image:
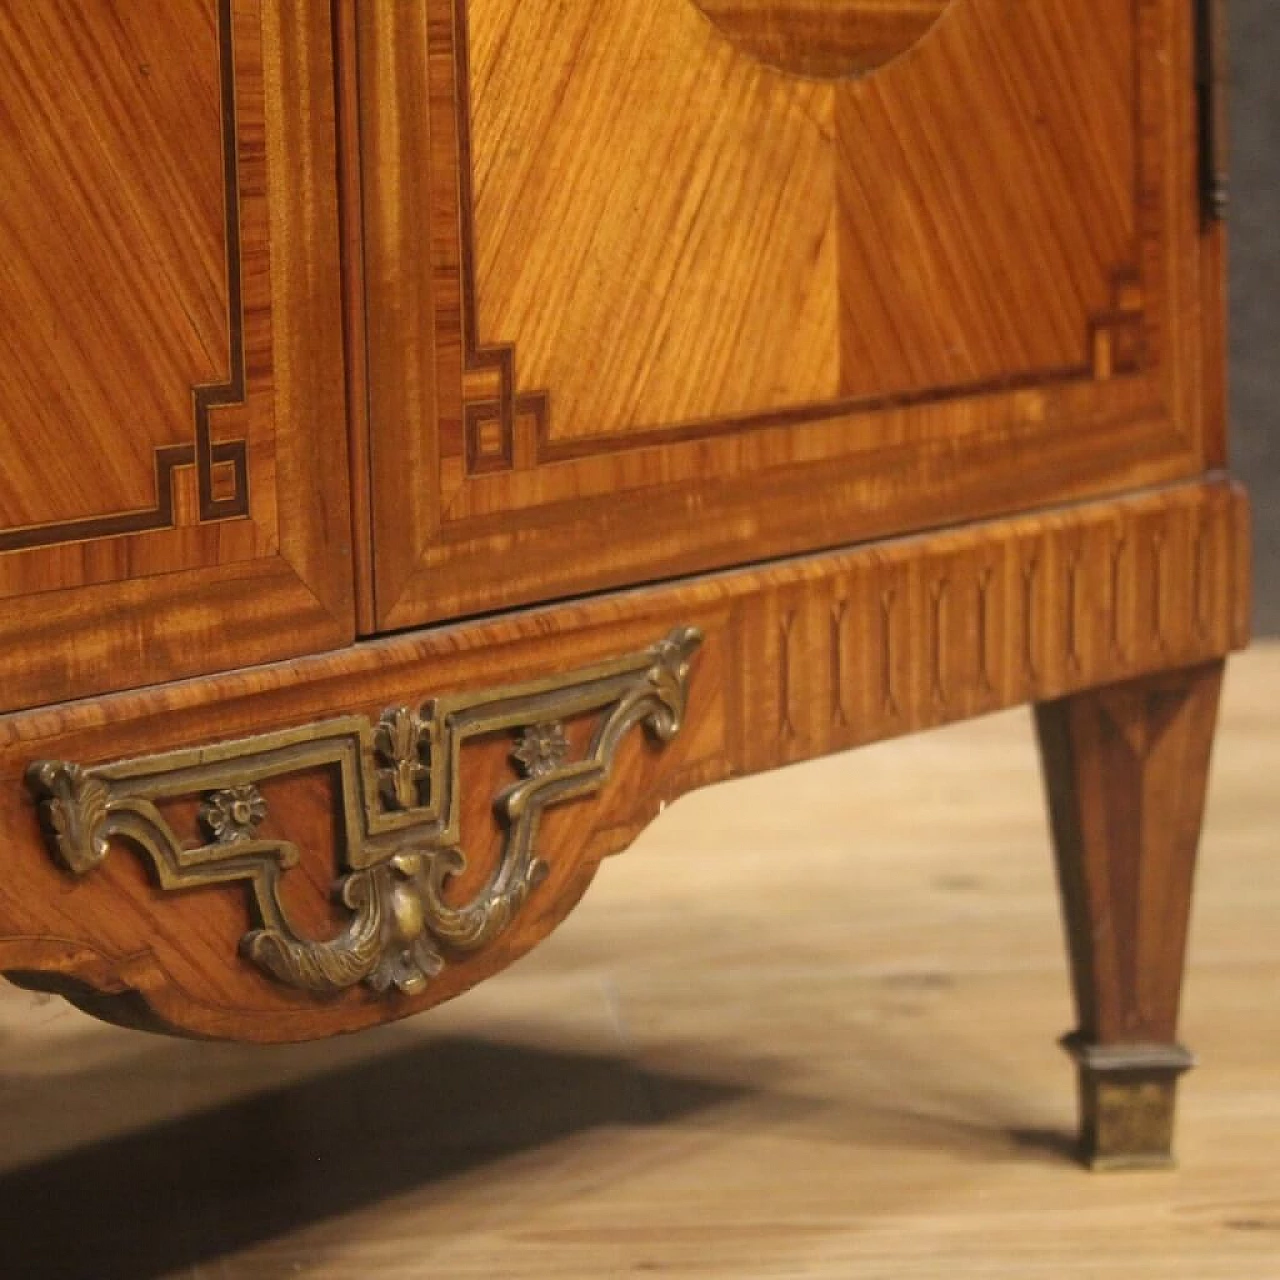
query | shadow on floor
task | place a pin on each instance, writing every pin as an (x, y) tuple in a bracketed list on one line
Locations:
[(187, 1191), (171, 1196)]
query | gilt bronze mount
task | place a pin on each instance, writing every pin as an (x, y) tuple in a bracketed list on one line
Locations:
[(399, 797), (1127, 1096)]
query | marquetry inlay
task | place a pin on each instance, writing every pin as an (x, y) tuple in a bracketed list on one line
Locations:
[(220, 466), (509, 418), (893, 642)]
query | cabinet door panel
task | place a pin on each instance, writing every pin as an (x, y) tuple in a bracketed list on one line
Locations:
[(703, 281), (173, 473)]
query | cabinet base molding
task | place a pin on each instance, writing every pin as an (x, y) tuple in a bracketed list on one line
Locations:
[(175, 849)]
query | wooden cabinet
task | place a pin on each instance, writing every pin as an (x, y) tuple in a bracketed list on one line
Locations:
[(589, 402)]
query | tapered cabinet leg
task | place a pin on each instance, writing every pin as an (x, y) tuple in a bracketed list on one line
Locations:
[(1126, 770)]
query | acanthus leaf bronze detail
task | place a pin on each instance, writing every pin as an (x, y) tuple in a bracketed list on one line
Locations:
[(399, 809)]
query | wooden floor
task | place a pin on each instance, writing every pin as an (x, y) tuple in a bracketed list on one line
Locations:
[(713, 1071)]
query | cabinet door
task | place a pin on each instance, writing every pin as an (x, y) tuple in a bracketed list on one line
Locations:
[(656, 286), (173, 460)]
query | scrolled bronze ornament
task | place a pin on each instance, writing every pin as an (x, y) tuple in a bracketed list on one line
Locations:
[(399, 799)]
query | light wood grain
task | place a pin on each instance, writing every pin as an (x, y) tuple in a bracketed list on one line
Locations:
[(722, 1068)]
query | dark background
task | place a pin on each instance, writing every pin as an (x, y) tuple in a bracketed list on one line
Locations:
[(1254, 223)]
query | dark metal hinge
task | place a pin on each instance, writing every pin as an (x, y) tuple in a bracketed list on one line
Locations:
[(1211, 91)]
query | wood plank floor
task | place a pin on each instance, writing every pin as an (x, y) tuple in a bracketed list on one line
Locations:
[(804, 1028)]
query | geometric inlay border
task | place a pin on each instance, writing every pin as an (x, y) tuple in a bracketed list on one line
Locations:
[(204, 454)]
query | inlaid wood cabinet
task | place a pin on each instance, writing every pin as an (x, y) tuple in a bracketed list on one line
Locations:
[(437, 433)]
